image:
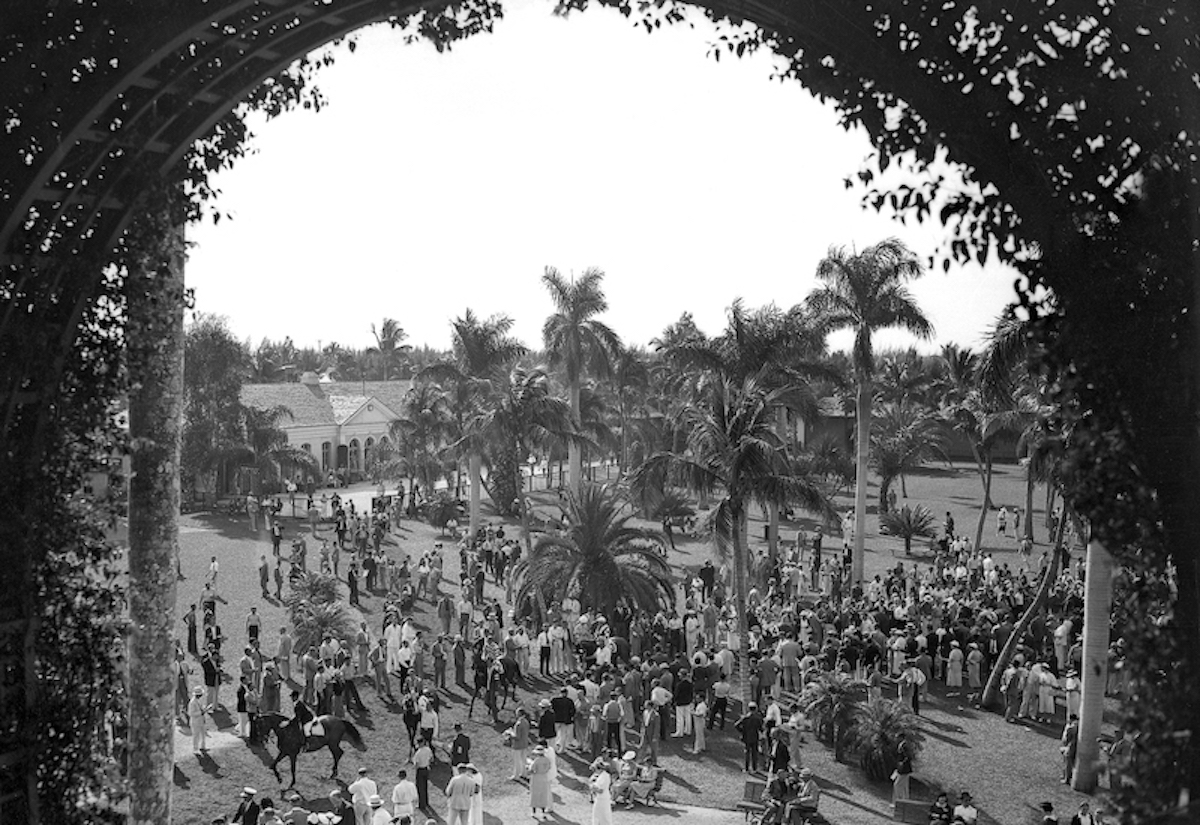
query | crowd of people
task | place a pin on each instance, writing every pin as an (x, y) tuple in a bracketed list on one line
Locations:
[(627, 683)]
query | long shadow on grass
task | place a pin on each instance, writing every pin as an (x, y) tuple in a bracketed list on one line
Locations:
[(949, 740), (181, 779), (845, 800)]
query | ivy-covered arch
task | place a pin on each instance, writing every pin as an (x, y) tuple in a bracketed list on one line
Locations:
[(1077, 120)]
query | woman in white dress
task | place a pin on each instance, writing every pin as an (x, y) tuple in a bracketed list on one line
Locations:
[(477, 799), (601, 797)]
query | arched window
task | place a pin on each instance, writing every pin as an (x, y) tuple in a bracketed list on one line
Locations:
[(326, 456), (368, 450), (355, 456)]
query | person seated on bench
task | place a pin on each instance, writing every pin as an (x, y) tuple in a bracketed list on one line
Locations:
[(627, 771), (780, 791), (807, 796), (644, 783)]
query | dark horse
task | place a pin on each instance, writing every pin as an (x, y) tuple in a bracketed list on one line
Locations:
[(503, 677), (291, 740)]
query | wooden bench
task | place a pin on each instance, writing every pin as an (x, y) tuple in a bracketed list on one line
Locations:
[(752, 794)]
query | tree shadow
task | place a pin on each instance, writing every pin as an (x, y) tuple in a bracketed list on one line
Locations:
[(949, 740), (675, 779)]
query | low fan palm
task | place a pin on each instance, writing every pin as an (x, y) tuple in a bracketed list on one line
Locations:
[(908, 523), (600, 558), (315, 610), (880, 728), (830, 702), (313, 622), (311, 588)]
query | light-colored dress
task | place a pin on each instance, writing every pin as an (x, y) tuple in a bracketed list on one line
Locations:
[(1046, 693), (601, 798), (954, 668), (539, 782), (477, 800)]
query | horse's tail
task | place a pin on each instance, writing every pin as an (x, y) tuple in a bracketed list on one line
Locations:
[(353, 735)]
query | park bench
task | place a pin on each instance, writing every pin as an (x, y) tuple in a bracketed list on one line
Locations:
[(752, 794)]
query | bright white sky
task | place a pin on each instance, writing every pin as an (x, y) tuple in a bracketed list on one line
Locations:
[(436, 182)]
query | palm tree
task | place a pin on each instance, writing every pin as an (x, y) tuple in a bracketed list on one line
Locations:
[(389, 345), (1004, 374), (579, 342), (267, 444), (630, 378), (880, 729), (903, 439), (734, 450), (780, 347), (601, 559), (908, 523), (831, 702), (1097, 612), (980, 418), (866, 292), (480, 349), (519, 416), (421, 434), (991, 690)]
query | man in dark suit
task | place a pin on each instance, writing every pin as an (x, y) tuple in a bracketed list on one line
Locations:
[(247, 812), (750, 727)]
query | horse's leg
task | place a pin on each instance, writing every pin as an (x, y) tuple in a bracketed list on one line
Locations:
[(292, 757), (337, 757), (472, 706), (275, 769)]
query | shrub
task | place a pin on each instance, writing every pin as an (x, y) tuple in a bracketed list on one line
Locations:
[(830, 702), (880, 727), (908, 523), (314, 620), (441, 510), (311, 588)]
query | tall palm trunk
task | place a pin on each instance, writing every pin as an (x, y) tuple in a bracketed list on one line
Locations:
[(574, 463), (1097, 608), (155, 345), (475, 464), (773, 515), (739, 596), (623, 415), (863, 449), (1030, 483), (991, 691), (986, 478)]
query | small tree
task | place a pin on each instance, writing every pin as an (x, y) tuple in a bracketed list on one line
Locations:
[(881, 727), (441, 510), (830, 701), (909, 523)]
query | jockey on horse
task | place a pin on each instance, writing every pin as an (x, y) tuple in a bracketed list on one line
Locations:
[(307, 721)]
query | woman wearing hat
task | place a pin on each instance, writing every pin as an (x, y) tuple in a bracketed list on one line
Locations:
[(974, 666), (599, 787), (954, 668), (538, 769)]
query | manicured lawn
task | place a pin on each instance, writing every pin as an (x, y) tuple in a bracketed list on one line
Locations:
[(1008, 768)]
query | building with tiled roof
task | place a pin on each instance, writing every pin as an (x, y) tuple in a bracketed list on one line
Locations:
[(338, 422)]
